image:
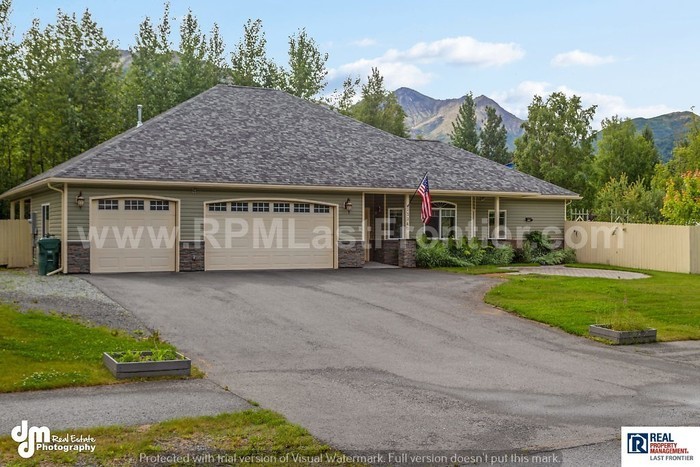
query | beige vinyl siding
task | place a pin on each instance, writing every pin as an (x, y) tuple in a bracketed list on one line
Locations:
[(53, 198), (547, 215), (192, 206)]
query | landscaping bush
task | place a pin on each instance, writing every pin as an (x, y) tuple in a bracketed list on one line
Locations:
[(498, 256), (465, 253), (472, 250), (437, 255), (539, 243), (537, 248)]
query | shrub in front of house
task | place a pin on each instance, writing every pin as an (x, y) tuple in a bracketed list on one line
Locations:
[(538, 248), (436, 254), (498, 256), (460, 253)]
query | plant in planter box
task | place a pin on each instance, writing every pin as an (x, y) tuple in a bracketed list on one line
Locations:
[(623, 326), (147, 363)]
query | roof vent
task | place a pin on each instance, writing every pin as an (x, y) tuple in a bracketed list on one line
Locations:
[(139, 108)]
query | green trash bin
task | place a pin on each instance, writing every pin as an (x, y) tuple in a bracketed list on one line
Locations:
[(49, 254)]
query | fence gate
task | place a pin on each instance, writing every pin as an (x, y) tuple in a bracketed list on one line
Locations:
[(15, 243)]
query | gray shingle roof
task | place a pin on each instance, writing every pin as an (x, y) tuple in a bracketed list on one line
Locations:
[(232, 134)]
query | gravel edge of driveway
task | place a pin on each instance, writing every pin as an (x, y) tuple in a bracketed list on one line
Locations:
[(69, 296)]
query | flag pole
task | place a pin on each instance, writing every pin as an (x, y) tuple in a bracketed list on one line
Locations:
[(421, 182)]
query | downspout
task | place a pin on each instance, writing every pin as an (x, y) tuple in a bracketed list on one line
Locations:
[(64, 231)]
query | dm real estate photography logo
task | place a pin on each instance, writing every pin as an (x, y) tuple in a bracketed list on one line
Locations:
[(660, 445), (32, 439)]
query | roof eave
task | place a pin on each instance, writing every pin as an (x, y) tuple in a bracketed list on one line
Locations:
[(15, 192)]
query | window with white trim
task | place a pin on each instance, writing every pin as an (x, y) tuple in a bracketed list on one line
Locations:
[(321, 209), (443, 221), (160, 205), (280, 207), (133, 205), (238, 206), (218, 207), (108, 204), (302, 207), (395, 227), (502, 224), (261, 207)]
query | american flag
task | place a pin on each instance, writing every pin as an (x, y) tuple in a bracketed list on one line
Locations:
[(426, 208)]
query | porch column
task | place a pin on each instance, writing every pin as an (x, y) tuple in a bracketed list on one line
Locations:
[(21, 209), (497, 217), (12, 210), (406, 217)]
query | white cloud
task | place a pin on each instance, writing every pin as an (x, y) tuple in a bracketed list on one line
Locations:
[(396, 74), (462, 50), (364, 42), (580, 58), (517, 99), (403, 67)]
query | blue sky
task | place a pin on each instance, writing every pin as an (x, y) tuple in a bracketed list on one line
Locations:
[(631, 58)]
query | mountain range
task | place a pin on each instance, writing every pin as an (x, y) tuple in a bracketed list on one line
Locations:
[(431, 118)]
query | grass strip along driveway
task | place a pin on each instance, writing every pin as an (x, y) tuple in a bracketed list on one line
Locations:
[(257, 437), (47, 351), (669, 302), (43, 351)]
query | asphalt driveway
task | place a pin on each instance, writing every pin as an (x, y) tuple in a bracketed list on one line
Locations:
[(409, 359)]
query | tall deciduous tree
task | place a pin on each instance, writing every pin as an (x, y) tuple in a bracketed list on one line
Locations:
[(464, 132), (682, 201), (621, 150), (307, 66), (619, 195), (150, 80), (249, 63), (557, 144), (493, 138), (379, 107), (686, 155), (10, 83)]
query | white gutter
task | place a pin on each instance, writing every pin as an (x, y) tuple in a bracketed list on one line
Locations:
[(64, 228)]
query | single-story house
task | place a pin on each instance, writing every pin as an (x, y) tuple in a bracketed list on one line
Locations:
[(251, 178)]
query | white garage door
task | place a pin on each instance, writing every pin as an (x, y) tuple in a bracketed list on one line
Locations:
[(268, 235), (132, 235)]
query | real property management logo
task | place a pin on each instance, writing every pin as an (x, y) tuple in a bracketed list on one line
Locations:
[(659, 446), (32, 438)]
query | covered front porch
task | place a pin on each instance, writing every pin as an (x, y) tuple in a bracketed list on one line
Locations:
[(392, 222)]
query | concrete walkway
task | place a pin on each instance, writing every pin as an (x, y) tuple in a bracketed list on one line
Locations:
[(579, 272), (117, 404)]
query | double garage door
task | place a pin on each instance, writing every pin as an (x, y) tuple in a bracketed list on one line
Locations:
[(140, 235), (268, 235)]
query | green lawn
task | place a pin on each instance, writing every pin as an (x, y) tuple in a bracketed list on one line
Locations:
[(666, 301), (262, 434), (40, 351)]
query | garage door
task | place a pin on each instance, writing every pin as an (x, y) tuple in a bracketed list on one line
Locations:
[(132, 235), (268, 235)]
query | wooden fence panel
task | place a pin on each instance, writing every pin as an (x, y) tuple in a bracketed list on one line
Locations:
[(673, 248), (15, 243)]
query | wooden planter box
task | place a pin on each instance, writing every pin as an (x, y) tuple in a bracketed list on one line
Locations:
[(147, 369), (622, 337)]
